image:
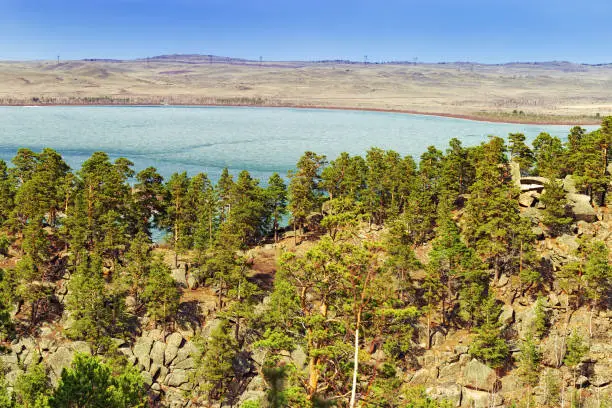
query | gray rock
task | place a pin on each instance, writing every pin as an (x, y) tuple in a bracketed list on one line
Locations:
[(532, 187), (602, 375), (515, 172), (162, 374), (567, 244), (59, 360), (170, 354), (132, 360), (526, 321), (126, 351), (175, 339), (450, 392), (256, 397), (17, 347), (538, 232), (553, 299), (80, 347), (502, 281), (582, 381), (119, 342), (569, 184), (510, 383), (145, 362), (176, 378), (192, 282), (142, 347), (553, 350), (478, 376), (12, 376), (526, 200), (424, 376), (147, 378), (180, 276), (154, 370), (461, 349), (507, 315), (532, 214), (155, 334), (209, 327), (157, 352), (130, 302), (9, 361), (480, 399), (534, 180), (186, 364), (437, 338), (48, 344), (299, 357), (581, 207), (450, 372), (175, 399)]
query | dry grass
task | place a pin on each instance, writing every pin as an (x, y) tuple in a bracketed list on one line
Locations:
[(544, 92)]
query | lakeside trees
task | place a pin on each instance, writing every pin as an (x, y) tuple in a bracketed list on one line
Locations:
[(364, 287)]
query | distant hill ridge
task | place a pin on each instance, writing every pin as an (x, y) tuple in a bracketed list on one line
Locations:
[(209, 58)]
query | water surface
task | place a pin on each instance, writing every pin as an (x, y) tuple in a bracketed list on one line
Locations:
[(261, 140)]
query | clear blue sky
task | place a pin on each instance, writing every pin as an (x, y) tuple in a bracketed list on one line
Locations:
[(433, 30)]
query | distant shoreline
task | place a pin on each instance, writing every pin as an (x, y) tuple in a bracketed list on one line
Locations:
[(491, 117)]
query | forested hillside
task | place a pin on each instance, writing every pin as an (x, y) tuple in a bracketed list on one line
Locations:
[(478, 276)]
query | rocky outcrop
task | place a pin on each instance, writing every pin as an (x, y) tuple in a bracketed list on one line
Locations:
[(581, 208), (527, 199), (569, 184), (479, 376)]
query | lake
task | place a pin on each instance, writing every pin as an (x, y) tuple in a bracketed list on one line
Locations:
[(261, 140)]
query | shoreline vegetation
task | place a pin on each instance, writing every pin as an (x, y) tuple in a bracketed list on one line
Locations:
[(515, 117), (401, 281)]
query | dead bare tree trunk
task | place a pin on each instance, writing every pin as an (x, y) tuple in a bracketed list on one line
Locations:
[(355, 369)]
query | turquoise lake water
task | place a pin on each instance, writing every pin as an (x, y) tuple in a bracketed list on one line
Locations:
[(261, 140)]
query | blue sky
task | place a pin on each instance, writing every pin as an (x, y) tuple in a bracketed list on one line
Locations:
[(488, 31)]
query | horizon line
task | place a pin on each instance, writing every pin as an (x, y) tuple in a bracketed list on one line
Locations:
[(228, 59)]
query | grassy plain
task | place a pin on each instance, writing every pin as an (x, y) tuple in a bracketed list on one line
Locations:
[(544, 93)]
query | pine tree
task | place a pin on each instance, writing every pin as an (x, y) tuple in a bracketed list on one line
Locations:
[(488, 345), (449, 258), (148, 200), (177, 222), (304, 190), (246, 220), (7, 192), (458, 171), (201, 213), (401, 260), (87, 303), (33, 388), (89, 383), (223, 191), (520, 152), (276, 201), (549, 155), (575, 350), (493, 226), (215, 369), (137, 268), (345, 177), (541, 321), (555, 212), (529, 361), (160, 293), (597, 272)]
